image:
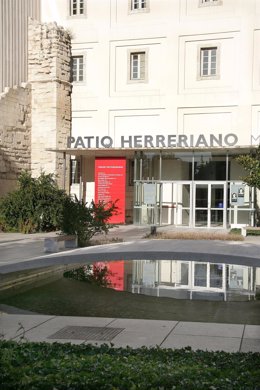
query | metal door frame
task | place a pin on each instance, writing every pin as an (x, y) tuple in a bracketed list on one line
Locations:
[(209, 185)]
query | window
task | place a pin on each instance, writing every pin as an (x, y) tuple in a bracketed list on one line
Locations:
[(77, 7), (209, 62), (203, 3), (78, 69), (74, 172), (131, 169), (138, 5), (138, 66), (210, 276)]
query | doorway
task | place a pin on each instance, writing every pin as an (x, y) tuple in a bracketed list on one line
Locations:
[(198, 204), (209, 204)]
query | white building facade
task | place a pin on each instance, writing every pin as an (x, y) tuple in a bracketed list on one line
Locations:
[(166, 93)]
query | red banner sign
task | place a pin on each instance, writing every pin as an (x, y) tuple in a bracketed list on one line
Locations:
[(110, 176)]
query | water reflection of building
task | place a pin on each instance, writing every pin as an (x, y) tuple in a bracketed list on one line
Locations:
[(193, 280)]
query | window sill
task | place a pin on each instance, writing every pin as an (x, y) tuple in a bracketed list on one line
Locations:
[(139, 11), (77, 16), (216, 77), (210, 4)]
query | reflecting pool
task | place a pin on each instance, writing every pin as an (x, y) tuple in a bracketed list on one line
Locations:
[(179, 279)]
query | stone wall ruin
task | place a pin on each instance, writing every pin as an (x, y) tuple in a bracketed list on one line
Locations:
[(36, 116)]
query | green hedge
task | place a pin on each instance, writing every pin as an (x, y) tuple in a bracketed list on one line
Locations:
[(36, 205), (64, 366), (253, 232)]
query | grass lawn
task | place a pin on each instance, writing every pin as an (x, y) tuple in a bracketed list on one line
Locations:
[(76, 298), (186, 235)]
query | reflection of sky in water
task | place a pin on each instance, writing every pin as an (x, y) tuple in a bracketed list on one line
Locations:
[(181, 279)]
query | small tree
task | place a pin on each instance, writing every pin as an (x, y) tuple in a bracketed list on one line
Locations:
[(85, 221), (251, 164), (35, 206)]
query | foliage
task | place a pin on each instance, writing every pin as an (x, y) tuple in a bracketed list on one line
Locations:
[(235, 231), (85, 221), (35, 206), (65, 366), (251, 164), (253, 232), (97, 273), (39, 205)]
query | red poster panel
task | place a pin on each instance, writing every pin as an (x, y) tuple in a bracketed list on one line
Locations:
[(114, 277), (110, 177)]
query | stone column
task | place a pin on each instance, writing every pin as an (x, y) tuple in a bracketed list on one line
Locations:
[(49, 56)]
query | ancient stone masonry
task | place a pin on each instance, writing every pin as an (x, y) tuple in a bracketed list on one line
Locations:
[(49, 56), (37, 116), (15, 135)]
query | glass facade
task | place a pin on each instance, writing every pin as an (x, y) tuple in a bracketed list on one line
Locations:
[(190, 189), (193, 280), (200, 188)]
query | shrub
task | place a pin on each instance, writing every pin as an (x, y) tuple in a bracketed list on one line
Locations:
[(65, 366), (235, 231), (85, 221), (38, 205), (253, 232), (98, 274), (35, 206)]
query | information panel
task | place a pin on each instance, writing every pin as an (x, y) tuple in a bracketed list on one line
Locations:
[(237, 194), (110, 182), (149, 193)]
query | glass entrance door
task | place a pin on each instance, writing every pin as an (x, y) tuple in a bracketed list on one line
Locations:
[(147, 203), (201, 204), (208, 276), (209, 204), (176, 203), (183, 204)]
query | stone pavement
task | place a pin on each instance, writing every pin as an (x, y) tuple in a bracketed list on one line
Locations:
[(131, 332), (20, 252)]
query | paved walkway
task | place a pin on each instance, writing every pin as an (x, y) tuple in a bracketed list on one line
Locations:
[(20, 252), (131, 332)]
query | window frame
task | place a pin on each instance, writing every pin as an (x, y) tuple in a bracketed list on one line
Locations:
[(130, 54), (77, 15), (131, 169), (210, 3), (83, 56), (132, 10), (210, 76), (75, 171)]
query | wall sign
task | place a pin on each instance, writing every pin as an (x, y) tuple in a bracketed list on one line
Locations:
[(149, 193), (110, 183), (237, 194), (154, 141)]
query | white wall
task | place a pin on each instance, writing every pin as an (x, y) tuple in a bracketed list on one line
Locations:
[(173, 100)]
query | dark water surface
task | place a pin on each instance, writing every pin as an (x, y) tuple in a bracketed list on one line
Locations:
[(147, 289), (177, 279)]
